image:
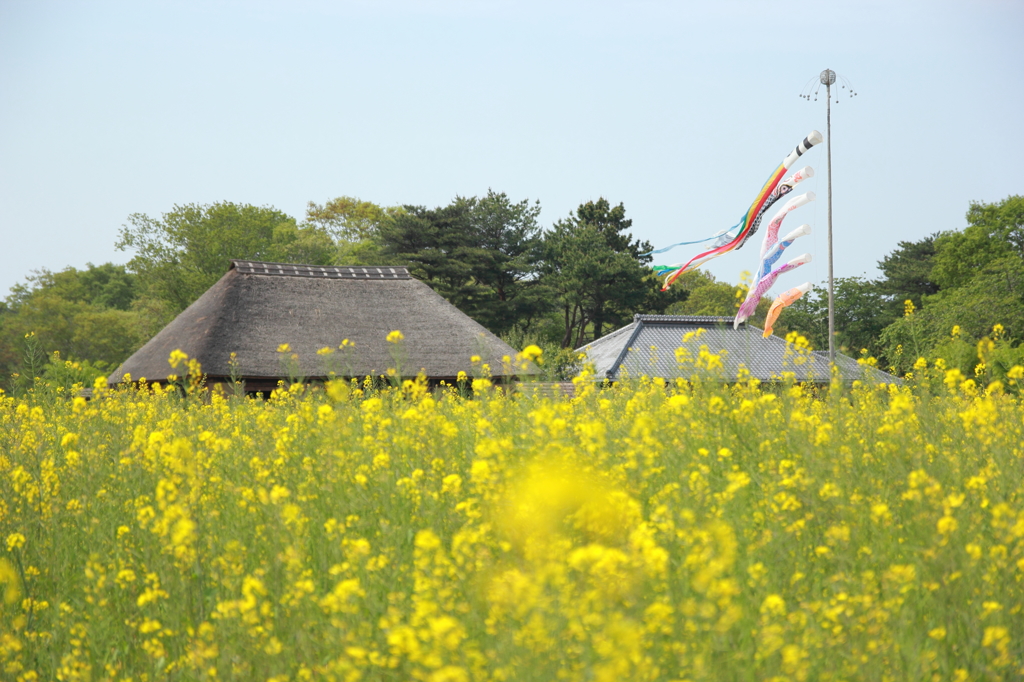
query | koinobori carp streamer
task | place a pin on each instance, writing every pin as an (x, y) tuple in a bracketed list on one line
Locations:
[(787, 298), (774, 189), (760, 288)]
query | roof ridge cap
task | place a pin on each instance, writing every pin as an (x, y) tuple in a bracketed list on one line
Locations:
[(376, 272), (682, 319)]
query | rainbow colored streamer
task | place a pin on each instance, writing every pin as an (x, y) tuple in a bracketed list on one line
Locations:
[(752, 218)]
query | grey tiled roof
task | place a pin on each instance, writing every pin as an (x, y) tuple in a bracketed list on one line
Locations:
[(648, 347)]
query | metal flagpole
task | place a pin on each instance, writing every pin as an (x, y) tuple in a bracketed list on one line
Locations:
[(828, 77)]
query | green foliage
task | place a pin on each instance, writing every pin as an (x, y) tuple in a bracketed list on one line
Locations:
[(595, 285), (861, 313), (355, 225), (510, 243), (555, 364), (907, 272), (482, 254), (66, 375), (350, 219), (439, 246), (978, 274), (705, 295), (91, 314), (489, 257), (993, 232), (597, 273), (184, 253), (104, 286), (33, 359), (995, 295), (611, 223)]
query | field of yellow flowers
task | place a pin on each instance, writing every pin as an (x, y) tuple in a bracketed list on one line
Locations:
[(690, 531)]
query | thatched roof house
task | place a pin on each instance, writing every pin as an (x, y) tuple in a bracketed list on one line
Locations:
[(256, 307), (648, 347)]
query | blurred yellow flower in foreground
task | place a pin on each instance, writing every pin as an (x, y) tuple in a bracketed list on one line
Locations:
[(532, 352)]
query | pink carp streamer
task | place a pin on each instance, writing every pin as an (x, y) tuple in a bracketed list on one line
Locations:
[(749, 305), (784, 300), (771, 234), (771, 254)]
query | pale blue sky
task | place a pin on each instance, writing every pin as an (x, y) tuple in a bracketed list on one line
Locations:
[(680, 110)]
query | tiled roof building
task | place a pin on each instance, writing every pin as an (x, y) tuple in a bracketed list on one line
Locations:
[(648, 347)]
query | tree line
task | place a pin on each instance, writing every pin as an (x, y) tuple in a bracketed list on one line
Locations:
[(559, 287), (488, 255), (956, 295)]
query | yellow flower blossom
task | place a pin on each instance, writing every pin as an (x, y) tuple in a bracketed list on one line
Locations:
[(532, 352), (629, 531)]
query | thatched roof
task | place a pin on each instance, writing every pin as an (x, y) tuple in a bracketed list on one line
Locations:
[(648, 347), (255, 307)]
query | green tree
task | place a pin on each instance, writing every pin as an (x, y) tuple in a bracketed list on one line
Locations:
[(907, 273), (482, 254), (181, 255), (994, 295), (507, 266), (993, 231), (706, 296), (355, 225), (105, 286), (979, 276), (611, 223), (439, 247), (861, 313), (85, 315), (597, 272)]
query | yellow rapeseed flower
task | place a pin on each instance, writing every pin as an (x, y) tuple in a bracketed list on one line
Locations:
[(10, 581), (532, 352), (627, 532), (15, 541)]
